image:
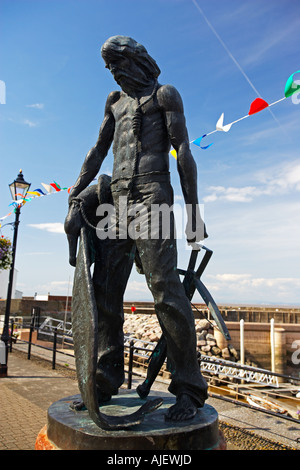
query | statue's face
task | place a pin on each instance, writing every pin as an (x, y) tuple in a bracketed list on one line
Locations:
[(129, 62), (120, 68), (127, 73)]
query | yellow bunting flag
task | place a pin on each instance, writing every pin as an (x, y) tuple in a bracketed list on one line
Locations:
[(174, 153)]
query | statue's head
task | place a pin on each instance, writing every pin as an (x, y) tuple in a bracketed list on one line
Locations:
[(129, 62)]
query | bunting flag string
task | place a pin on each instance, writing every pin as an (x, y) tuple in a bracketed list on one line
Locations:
[(38, 192), (256, 106), (49, 189)]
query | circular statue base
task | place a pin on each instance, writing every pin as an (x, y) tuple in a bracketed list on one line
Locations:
[(67, 429)]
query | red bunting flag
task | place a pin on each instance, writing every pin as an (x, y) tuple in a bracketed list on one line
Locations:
[(257, 105), (55, 186)]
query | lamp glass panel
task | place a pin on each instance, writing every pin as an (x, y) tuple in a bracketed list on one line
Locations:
[(18, 189)]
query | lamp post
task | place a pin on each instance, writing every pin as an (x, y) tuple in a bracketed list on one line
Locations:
[(18, 188)]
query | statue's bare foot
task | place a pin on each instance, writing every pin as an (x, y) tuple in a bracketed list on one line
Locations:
[(184, 408)]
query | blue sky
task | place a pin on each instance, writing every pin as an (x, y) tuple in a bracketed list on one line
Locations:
[(220, 55)]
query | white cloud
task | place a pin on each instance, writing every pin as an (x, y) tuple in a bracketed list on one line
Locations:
[(248, 288), (54, 227), (29, 123), (36, 105), (59, 283), (54, 288), (282, 178), (137, 290), (244, 194), (137, 286), (232, 277), (271, 181), (249, 280)]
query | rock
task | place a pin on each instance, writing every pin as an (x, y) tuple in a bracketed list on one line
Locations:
[(216, 351), (153, 337), (226, 353), (202, 335), (202, 325), (233, 352), (210, 337)]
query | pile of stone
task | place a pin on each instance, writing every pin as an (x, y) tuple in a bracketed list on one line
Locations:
[(146, 329), (142, 326)]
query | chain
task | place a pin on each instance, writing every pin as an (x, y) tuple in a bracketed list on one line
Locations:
[(79, 202)]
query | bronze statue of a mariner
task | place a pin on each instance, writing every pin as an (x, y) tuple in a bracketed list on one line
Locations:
[(143, 120)]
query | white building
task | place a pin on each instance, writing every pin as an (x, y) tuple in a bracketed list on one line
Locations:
[(4, 277)]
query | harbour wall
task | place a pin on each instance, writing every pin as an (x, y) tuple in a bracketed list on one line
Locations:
[(257, 327)]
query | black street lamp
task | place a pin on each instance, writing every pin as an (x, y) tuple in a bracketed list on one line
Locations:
[(18, 189)]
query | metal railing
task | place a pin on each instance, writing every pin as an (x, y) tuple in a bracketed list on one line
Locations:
[(58, 330), (208, 364), (62, 329), (54, 349), (239, 372), (139, 351), (55, 330)]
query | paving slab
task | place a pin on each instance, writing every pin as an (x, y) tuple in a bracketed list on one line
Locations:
[(32, 386)]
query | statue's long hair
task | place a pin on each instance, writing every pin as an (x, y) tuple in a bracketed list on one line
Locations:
[(128, 47)]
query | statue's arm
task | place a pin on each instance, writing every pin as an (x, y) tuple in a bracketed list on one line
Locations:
[(96, 155), (172, 105), (89, 170)]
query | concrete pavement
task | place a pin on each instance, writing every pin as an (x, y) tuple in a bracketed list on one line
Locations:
[(25, 396), (32, 386)]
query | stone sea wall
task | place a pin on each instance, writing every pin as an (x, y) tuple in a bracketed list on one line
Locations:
[(210, 341), (146, 328)]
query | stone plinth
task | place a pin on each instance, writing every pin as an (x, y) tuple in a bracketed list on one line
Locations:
[(70, 430)]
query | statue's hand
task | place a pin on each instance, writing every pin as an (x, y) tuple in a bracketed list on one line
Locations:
[(194, 236), (73, 224)]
